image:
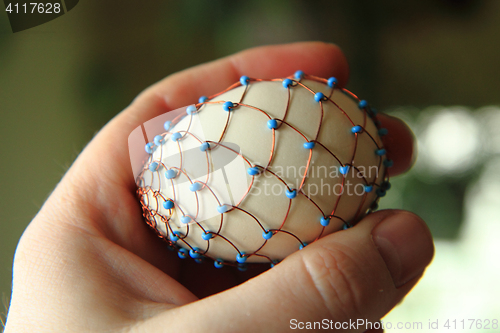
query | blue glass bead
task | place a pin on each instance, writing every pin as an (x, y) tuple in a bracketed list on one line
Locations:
[(223, 208), (267, 234), (195, 186), (191, 109), (380, 192), (241, 258), (344, 169), (153, 166), (272, 123), (168, 204), (193, 253), (325, 221), (183, 253), (388, 163), (219, 263), (319, 96), (362, 104), (368, 188), (380, 152), (244, 80), (383, 131), (205, 146), (385, 185), (158, 140), (207, 235), (253, 171), (176, 136), (291, 193), (149, 148), (170, 174), (303, 245), (185, 219), (309, 145), (332, 82), (287, 83), (227, 106), (174, 237), (167, 125), (202, 99), (242, 267), (356, 129), (345, 227), (299, 74)]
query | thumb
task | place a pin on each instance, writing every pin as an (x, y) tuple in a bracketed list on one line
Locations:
[(359, 273)]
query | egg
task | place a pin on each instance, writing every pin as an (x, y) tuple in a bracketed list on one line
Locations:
[(262, 169)]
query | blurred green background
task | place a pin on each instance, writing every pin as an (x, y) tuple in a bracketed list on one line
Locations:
[(435, 63)]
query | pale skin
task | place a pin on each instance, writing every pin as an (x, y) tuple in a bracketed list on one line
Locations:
[(88, 262)]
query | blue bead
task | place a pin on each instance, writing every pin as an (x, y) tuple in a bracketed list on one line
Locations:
[(202, 99), (385, 185), (383, 131), (191, 109), (149, 148), (287, 83), (362, 104), (380, 152), (344, 169), (183, 253), (186, 219), (205, 146), (242, 267), (170, 174), (374, 111), (356, 129), (319, 96), (303, 245), (374, 206), (380, 192), (218, 263), (332, 82), (176, 136), (158, 140), (199, 260), (299, 75), (253, 171), (168, 204), (223, 208), (291, 193), (193, 253), (345, 227), (241, 258), (325, 221), (368, 188), (167, 125), (153, 166), (309, 145), (388, 163), (227, 106), (174, 237), (207, 235), (244, 80), (195, 186), (267, 234), (272, 124)]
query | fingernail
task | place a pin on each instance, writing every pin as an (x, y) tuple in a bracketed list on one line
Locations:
[(405, 244)]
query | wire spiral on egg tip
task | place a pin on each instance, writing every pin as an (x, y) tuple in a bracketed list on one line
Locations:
[(167, 174)]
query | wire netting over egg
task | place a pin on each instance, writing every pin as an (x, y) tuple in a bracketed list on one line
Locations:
[(262, 169)]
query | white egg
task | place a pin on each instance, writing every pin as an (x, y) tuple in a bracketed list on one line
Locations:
[(262, 169)]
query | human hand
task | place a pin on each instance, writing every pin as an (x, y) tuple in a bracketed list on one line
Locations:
[(88, 262)]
